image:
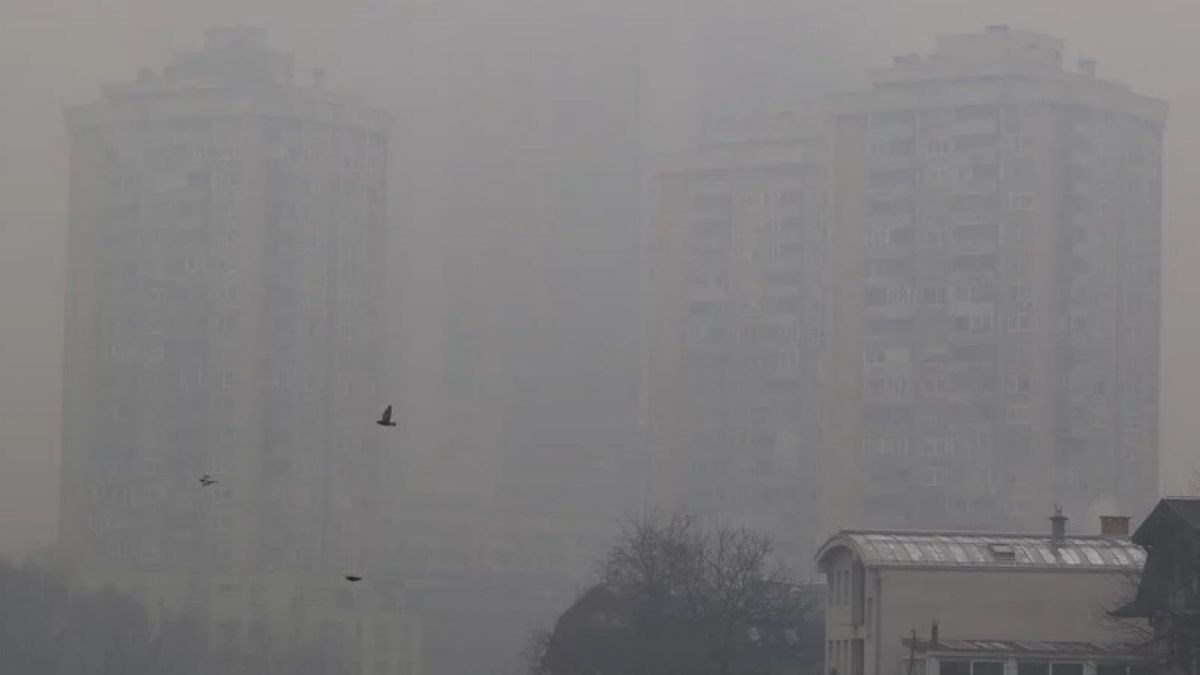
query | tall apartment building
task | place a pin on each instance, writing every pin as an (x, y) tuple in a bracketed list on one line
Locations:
[(974, 331), (997, 222), (224, 317), (739, 269)]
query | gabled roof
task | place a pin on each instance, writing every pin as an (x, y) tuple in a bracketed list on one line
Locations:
[(1185, 510), (899, 549)]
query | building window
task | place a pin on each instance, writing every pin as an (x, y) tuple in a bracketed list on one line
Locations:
[(933, 476), (972, 668), (155, 494), (937, 175), (974, 323), (153, 466), (895, 386), (987, 668), (955, 668), (933, 386), (1020, 142), (1020, 201), (885, 446), (150, 553), (1019, 322), (1017, 414), (1016, 233), (937, 447), (1019, 384)]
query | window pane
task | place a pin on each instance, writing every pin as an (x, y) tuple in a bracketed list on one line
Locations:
[(1033, 668), (1110, 669), (956, 668), (1067, 669), (988, 668)]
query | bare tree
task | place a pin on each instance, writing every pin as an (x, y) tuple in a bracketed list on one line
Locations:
[(1118, 617), (674, 597), (737, 585), (537, 647)]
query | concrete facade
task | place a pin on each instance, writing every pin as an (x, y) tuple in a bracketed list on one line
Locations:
[(225, 317), (1005, 213), (739, 275), (973, 325)]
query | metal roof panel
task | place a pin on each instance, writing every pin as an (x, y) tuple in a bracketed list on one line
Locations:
[(955, 549)]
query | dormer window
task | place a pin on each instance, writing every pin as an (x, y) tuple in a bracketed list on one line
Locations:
[(1002, 552)]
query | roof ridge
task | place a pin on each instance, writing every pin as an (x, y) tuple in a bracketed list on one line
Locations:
[(976, 533)]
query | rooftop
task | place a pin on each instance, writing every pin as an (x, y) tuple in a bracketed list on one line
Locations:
[(1033, 648), (1183, 509), (1187, 508), (899, 549)]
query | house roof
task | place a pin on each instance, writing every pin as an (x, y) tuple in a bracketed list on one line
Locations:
[(898, 549), (1034, 648), (1186, 509)]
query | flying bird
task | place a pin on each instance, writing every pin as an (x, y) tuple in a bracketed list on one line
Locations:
[(352, 578), (386, 420), (207, 480)]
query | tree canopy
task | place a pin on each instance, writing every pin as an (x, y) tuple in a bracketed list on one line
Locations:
[(674, 598)]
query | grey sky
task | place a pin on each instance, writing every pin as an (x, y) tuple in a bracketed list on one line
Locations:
[(56, 52)]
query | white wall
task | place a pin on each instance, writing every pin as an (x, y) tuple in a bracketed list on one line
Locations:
[(971, 604)]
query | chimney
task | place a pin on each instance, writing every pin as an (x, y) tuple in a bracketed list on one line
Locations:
[(1114, 527), (1058, 525), (933, 635), (1087, 67)]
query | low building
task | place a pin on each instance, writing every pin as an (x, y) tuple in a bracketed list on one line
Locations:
[(1168, 593), (889, 586)]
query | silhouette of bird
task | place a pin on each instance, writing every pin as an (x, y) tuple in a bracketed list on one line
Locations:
[(352, 578), (386, 420), (207, 480)]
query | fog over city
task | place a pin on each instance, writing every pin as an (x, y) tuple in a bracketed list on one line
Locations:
[(702, 280)]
